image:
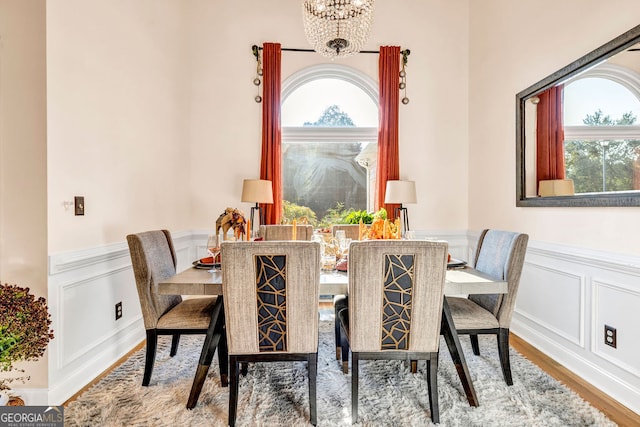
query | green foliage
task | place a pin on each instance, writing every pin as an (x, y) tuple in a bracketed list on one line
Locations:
[(24, 329), (587, 161), (332, 116), (354, 217), (300, 213), (335, 215)]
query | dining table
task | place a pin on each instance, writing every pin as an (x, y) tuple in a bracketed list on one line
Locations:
[(459, 281)]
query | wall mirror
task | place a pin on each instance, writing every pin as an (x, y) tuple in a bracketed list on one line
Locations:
[(580, 126)]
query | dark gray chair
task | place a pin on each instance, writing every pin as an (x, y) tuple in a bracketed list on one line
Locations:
[(500, 254)]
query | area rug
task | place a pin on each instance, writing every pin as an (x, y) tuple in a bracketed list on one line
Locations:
[(276, 394)]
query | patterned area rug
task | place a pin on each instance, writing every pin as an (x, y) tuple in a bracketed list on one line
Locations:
[(276, 394)]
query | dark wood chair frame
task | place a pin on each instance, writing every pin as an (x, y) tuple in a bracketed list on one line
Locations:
[(502, 336), (408, 356), (237, 360)]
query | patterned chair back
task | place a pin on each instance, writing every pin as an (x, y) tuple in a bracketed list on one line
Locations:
[(396, 288), (500, 254), (285, 232), (153, 258), (271, 292)]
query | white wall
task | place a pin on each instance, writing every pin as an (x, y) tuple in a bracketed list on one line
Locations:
[(582, 269), (23, 154), (117, 79), (529, 41)]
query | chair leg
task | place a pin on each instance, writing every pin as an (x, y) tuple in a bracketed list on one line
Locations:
[(355, 357), (174, 344), (414, 366), (337, 336), (344, 344), (223, 360), (503, 351), (234, 377), (432, 380), (313, 375), (474, 344), (152, 342)]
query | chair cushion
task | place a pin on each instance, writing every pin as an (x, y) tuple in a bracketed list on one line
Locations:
[(469, 315), (193, 313)]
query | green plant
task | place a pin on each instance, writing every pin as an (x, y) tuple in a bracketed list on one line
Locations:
[(291, 211), (24, 330)]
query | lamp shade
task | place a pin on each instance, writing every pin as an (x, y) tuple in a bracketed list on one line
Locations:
[(257, 191), (400, 192)]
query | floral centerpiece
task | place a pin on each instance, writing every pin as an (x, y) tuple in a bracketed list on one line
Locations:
[(381, 227), (24, 331)]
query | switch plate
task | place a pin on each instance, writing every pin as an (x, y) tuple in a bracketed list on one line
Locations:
[(78, 202), (610, 336), (118, 310)]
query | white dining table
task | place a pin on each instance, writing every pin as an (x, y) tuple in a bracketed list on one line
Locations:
[(197, 281)]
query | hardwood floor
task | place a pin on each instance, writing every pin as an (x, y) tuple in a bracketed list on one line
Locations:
[(615, 411)]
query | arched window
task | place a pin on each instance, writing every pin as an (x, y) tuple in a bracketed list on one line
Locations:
[(602, 130), (329, 139)]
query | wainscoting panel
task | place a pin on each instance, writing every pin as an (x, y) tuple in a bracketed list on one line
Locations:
[(566, 297), (626, 355), (84, 287), (556, 302)]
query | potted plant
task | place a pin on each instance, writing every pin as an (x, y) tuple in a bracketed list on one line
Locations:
[(24, 332)]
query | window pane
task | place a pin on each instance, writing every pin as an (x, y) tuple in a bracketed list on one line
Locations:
[(603, 165), (319, 175), (588, 95), (308, 103)]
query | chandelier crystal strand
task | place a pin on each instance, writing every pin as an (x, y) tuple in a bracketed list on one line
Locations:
[(337, 28)]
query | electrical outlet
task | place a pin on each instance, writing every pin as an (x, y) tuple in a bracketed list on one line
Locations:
[(118, 310), (610, 336), (78, 202)]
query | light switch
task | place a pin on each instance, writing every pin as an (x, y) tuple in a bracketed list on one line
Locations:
[(79, 205)]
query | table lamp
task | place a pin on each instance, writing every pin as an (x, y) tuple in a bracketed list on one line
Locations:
[(401, 192), (257, 191)]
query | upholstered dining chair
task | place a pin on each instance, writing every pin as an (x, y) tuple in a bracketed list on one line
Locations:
[(271, 307), (351, 231), (154, 258), (285, 232), (396, 291), (500, 254)]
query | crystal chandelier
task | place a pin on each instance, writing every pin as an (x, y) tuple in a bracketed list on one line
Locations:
[(337, 28)]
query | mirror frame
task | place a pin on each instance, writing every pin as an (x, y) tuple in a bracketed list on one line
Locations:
[(616, 45)]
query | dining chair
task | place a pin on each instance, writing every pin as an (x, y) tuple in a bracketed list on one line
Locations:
[(351, 231), (285, 232), (396, 292), (153, 258), (271, 307), (499, 254)]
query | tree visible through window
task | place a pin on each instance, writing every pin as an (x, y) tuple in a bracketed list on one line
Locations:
[(602, 153), (329, 143), (319, 175)]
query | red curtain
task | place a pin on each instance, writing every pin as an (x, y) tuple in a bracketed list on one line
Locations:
[(388, 155), (550, 135), (271, 163)]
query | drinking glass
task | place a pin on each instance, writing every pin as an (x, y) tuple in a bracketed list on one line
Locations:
[(213, 247)]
